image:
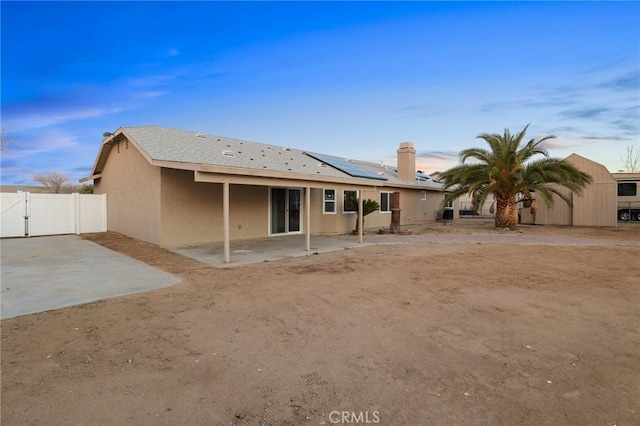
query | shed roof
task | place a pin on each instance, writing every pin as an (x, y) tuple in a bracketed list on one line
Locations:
[(626, 176), (597, 171), (189, 149)]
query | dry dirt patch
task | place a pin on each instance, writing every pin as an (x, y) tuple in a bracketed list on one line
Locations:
[(419, 334)]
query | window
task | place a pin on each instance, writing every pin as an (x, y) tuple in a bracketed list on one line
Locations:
[(627, 189), (329, 201), (386, 200), (350, 202), (423, 195)]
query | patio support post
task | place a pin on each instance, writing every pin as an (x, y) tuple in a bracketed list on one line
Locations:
[(225, 220), (360, 216), (307, 202)]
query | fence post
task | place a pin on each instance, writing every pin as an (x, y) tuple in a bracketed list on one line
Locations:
[(27, 214), (76, 212)]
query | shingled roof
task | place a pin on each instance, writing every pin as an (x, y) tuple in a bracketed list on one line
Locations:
[(162, 144)]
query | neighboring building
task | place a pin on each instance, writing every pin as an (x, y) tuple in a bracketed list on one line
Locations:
[(24, 188), (628, 206), (465, 203), (596, 206), (466, 206), (173, 187)]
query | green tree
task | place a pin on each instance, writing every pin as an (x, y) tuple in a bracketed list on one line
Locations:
[(507, 169), (368, 206), (86, 188)]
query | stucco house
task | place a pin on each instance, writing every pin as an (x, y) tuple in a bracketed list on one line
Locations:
[(595, 206), (174, 187)]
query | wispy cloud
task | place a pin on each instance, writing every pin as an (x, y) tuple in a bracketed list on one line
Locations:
[(82, 102), (587, 113), (565, 143), (437, 155), (595, 108), (626, 82), (34, 116), (415, 110), (38, 150), (404, 108), (38, 142), (150, 94), (561, 129), (542, 101)]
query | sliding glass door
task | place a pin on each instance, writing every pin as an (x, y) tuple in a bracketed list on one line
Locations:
[(286, 210)]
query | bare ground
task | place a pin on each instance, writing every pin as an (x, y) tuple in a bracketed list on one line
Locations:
[(410, 334)]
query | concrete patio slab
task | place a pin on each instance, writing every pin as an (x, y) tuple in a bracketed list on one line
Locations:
[(45, 273), (254, 251), (247, 252)]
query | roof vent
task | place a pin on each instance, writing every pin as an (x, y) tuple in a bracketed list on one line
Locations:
[(381, 174), (323, 165), (228, 153), (201, 135)]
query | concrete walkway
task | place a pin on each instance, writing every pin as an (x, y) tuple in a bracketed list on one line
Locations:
[(43, 273)]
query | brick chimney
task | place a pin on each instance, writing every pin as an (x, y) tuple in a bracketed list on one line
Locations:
[(406, 162)]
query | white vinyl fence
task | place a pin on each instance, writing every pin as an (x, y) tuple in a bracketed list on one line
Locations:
[(25, 214)]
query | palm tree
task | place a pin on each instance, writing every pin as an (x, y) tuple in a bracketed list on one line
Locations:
[(506, 170), (368, 206)]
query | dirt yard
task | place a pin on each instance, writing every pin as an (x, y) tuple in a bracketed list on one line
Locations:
[(410, 334)]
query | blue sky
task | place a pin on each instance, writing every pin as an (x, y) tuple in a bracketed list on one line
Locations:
[(352, 79)]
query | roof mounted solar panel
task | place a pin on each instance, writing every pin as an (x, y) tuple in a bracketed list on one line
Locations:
[(344, 166)]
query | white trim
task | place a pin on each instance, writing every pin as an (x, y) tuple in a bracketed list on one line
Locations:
[(300, 219), (388, 202), (324, 201)]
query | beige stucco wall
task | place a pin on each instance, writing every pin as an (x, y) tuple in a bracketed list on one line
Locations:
[(132, 186), (329, 223), (413, 210), (192, 211)]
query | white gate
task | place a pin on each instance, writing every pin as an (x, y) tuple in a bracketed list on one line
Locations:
[(12, 214), (26, 214), (50, 214)]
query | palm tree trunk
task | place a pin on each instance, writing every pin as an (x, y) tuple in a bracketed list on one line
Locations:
[(506, 213)]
